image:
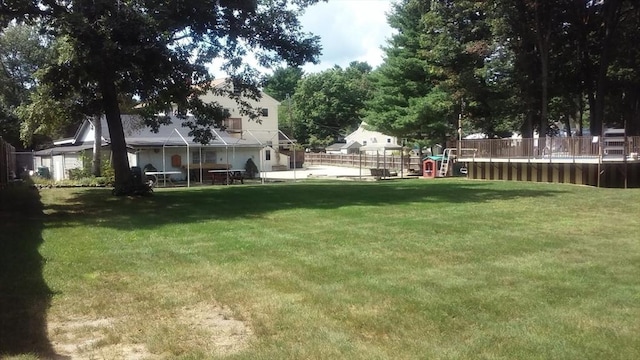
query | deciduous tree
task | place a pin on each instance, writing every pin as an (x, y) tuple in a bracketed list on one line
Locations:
[(22, 53), (330, 104), (159, 52)]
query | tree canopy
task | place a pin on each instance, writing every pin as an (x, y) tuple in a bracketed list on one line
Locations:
[(282, 83), (158, 51), (329, 104), (508, 65), (22, 53), (406, 98), (499, 66)]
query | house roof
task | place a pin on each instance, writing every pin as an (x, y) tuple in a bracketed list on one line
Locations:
[(138, 135), (70, 149), (343, 146), (352, 145), (284, 138), (380, 146), (334, 146)]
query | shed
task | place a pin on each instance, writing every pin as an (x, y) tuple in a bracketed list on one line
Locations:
[(431, 166)]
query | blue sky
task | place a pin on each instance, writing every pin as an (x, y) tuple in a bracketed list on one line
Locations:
[(349, 30)]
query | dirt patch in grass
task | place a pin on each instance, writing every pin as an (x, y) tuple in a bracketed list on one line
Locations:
[(227, 334), (83, 338), (107, 338)]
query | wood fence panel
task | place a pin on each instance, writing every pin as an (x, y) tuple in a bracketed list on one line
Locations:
[(392, 162)]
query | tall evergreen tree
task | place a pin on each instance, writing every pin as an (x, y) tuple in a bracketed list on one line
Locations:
[(434, 66), (457, 43), (282, 82), (405, 100)]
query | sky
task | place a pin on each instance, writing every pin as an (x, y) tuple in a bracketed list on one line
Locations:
[(349, 30)]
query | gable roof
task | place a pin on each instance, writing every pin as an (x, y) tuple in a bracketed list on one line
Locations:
[(70, 149), (343, 146), (334, 147), (137, 134), (380, 146)]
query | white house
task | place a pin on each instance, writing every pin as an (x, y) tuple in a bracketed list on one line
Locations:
[(172, 149), (265, 130), (343, 148), (372, 141)]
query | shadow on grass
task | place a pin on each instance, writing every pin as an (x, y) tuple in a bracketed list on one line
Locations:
[(24, 295), (97, 207)]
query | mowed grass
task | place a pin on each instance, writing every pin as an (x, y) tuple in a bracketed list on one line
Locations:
[(447, 269)]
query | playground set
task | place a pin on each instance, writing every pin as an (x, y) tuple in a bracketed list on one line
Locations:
[(446, 164)]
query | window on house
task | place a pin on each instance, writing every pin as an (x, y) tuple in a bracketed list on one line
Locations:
[(208, 157), (267, 155), (364, 142), (388, 140), (264, 112), (237, 88), (232, 124)]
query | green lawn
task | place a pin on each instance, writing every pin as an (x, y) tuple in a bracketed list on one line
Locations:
[(446, 269)]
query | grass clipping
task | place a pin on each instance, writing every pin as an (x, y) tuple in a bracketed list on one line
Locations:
[(211, 326)]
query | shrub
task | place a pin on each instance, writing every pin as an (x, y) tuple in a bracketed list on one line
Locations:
[(79, 173)]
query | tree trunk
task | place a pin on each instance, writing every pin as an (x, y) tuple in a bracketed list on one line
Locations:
[(567, 123), (610, 23), (580, 114), (544, 109), (96, 164), (586, 65), (543, 40), (120, 161), (598, 110), (594, 127), (634, 119), (527, 125)]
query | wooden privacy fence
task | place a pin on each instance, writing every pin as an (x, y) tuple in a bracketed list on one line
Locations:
[(368, 161), (7, 163), (553, 147)]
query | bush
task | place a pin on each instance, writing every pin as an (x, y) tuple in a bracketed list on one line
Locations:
[(87, 181), (78, 173), (39, 180), (103, 181)]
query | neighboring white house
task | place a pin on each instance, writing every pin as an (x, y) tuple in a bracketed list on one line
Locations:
[(265, 129), (343, 148), (372, 141), (172, 149)]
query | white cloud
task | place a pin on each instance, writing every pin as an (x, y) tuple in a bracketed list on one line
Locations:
[(350, 30)]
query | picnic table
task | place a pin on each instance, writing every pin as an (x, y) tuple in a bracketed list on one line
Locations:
[(380, 173), (195, 170), (226, 176), (164, 175)]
